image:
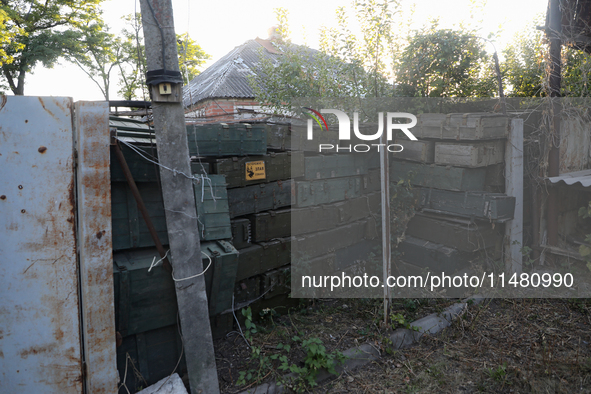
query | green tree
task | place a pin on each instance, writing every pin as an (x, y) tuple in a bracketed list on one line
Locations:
[(132, 65), (444, 63), (524, 66), (40, 32), (132, 59), (191, 57), (97, 52)]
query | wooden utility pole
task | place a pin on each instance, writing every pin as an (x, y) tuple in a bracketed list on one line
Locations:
[(178, 195)]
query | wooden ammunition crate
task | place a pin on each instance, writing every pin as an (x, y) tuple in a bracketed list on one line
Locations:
[(326, 191), (438, 258), (235, 139), (129, 229), (259, 198), (211, 198), (470, 154), (241, 233), (334, 166), (422, 151), (461, 234), (147, 300), (265, 256), (440, 177), (477, 205), (277, 166), (474, 126)]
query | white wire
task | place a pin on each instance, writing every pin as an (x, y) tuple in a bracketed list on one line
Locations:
[(192, 177), (194, 276), (155, 263)]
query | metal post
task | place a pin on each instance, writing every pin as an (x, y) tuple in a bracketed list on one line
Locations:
[(179, 200)]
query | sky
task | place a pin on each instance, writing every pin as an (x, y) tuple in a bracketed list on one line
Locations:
[(219, 26)]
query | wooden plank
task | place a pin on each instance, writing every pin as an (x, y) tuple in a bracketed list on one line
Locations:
[(422, 151), (440, 177), (470, 154)]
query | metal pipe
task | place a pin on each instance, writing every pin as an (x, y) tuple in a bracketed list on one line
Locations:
[(140, 205)]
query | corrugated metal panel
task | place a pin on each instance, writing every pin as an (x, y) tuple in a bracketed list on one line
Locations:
[(39, 313), (228, 77), (581, 177)]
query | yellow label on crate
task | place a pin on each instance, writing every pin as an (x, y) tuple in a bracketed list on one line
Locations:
[(255, 170)]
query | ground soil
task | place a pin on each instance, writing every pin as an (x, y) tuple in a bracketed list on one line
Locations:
[(499, 346)]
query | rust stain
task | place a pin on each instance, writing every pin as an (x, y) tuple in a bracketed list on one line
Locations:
[(13, 226), (37, 349), (3, 197), (3, 100), (42, 149), (46, 110)]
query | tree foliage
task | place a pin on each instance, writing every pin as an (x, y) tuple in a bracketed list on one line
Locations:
[(97, 52), (191, 56), (39, 32), (444, 63)]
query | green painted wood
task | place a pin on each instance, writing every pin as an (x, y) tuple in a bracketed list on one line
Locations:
[(436, 257), (461, 234), (259, 198), (325, 191), (155, 354), (221, 275), (129, 229), (278, 166), (276, 282), (141, 169), (213, 211), (324, 242), (241, 233), (474, 126), (263, 257), (440, 177), (334, 166), (271, 224), (147, 300), (422, 150), (478, 205), (235, 139), (294, 137), (470, 154)]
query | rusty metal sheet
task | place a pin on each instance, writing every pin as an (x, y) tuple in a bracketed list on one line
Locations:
[(39, 318), (93, 188)]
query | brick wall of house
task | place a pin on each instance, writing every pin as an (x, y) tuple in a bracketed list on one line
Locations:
[(221, 110)]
